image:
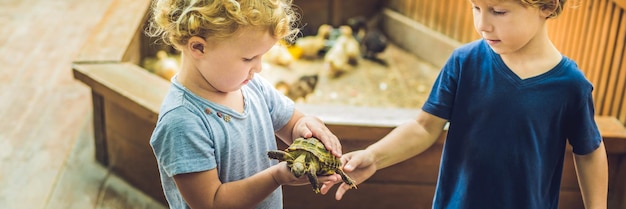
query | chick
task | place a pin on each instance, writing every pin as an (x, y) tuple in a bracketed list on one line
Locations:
[(279, 54), (312, 45), (358, 25), (300, 89), (344, 54), (165, 66), (374, 42)]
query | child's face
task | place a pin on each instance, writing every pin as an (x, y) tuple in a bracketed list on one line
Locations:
[(507, 25), (230, 64)]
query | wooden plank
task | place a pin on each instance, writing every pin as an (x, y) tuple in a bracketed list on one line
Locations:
[(456, 23), (126, 84), (449, 12), (613, 90), (572, 21), (415, 37), (129, 151), (605, 91), (622, 115), (110, 39), (620, 3), (368, 195), (42, 107), (619, 97), (617, 187), (556, 32), (598, 49), (470, 31), (440, 18), (592, 46), (582, 33), (316, 14), (352, 118), (424, 12), (411, 10), (99, 128)]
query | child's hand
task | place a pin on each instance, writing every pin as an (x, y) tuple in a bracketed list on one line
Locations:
[(309, 126), (283, 176), (359, 165)]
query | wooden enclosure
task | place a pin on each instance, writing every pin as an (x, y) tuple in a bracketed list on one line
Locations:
[(126, 101)]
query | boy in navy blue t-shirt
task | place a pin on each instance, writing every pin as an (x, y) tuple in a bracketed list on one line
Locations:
[(513, 101)]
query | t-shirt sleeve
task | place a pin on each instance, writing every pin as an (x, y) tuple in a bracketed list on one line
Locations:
[(280, 107), (441, 98), (583, 133), (180, 143)]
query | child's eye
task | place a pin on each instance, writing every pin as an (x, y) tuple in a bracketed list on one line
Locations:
[(497, 12), (248, 59)]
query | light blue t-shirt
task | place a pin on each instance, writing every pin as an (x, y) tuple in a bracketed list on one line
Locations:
[(193, 134)]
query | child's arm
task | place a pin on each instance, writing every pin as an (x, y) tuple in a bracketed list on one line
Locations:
[(592, 171), (205, 190), (401, 143), (407, 140)]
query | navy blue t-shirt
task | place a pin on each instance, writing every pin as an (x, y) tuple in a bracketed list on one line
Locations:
[(507, 136)]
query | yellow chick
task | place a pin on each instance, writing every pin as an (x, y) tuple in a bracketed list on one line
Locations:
[(311, 46), (165, 66), (279, 54), (344, 54)]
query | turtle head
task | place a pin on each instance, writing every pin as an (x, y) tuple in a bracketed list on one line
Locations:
[(298, 167)]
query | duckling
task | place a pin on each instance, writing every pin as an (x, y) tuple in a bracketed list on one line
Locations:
[(358, 25), (165, 66), (299, 89), (279, 54), (374, 42), (344, 54), (311, 46)]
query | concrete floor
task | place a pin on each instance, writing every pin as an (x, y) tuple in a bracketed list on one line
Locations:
[(46, 133)]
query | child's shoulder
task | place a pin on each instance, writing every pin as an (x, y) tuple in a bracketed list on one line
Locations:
[(258, 83), (477, 46), (477, 51)]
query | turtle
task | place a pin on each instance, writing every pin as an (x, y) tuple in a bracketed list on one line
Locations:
[(309, 156)]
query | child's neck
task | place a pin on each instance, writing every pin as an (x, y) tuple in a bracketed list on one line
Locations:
[(201, 87), (537, 58)]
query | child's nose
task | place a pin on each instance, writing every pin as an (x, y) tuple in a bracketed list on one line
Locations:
[(481, 22)]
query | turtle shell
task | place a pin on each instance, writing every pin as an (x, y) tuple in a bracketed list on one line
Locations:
[(327, 161), (316, 157)]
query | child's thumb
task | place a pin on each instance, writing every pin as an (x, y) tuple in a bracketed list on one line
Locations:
[(350, 165)]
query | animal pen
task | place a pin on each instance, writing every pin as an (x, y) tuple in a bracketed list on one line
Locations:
[(422, 33)]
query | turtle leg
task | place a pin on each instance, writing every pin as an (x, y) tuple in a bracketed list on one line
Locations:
[(346, 179), (280, 155), (313, 179)]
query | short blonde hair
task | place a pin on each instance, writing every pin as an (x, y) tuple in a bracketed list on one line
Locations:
[(176, 21), (555, 5)]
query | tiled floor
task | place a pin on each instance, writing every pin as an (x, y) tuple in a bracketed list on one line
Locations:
[(46, 136)]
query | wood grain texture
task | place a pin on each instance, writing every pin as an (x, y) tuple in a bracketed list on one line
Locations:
[(46, 135)]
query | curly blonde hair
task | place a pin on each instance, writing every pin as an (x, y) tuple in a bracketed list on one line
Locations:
[(176, 21)]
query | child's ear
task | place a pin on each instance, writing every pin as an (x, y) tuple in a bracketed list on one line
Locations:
[(196, 46), (548, 11)]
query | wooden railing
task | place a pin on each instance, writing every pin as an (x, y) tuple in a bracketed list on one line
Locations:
[(591, 32)]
